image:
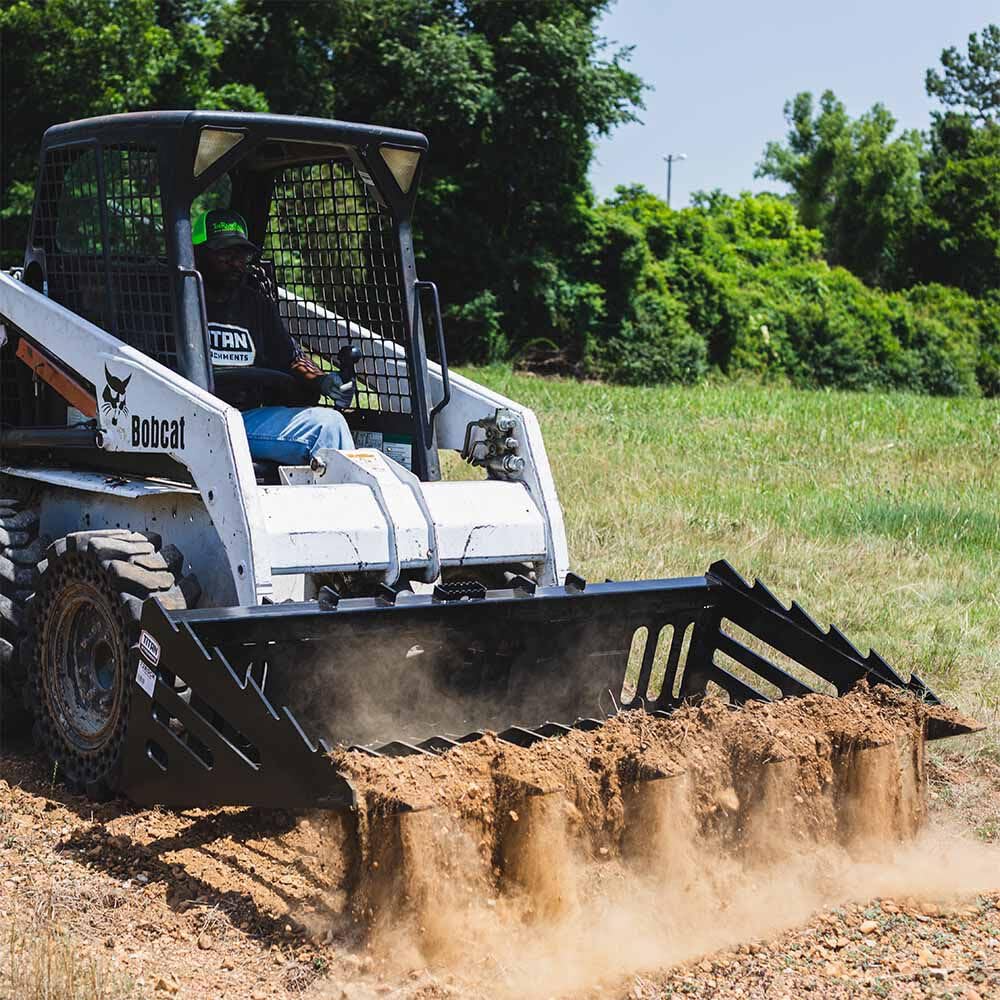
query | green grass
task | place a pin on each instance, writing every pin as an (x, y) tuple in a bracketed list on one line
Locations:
[(878, 512)]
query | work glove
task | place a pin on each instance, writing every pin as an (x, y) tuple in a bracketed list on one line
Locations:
[(341, 392)]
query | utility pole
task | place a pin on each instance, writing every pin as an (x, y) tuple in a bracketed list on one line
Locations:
[(670, 157)]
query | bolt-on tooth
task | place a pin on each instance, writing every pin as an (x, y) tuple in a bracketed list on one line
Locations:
[(943, 723), (839, 641), (552, 729), (523, 584), (723, 571), (765, 597), (397, 748), (517, 786), (640, 771), (328, 598), (519, 736), (437, 744), (803, 619)]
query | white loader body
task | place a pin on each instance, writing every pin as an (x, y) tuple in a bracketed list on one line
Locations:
[(352, 512)]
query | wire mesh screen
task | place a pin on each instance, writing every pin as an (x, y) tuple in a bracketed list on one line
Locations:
[(336, 263), (106, 258), (67, 226)]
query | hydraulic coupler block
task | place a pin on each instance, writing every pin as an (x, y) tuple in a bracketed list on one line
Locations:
[(495, 446)]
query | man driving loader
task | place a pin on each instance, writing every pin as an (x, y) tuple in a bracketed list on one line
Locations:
[(258, 368)]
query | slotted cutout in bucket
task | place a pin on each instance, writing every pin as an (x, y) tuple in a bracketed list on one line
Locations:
[(682, 661), (748, 677), (632, 669), (773, 656)]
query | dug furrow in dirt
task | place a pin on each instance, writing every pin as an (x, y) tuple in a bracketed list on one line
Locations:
[(576, 868)]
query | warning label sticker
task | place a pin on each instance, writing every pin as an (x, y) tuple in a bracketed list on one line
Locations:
[(399, 450), (145, 677)]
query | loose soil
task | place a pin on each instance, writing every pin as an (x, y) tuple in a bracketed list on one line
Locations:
[(769, 852)]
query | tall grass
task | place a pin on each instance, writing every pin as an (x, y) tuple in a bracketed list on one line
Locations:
[(878, 512), (39, 960)]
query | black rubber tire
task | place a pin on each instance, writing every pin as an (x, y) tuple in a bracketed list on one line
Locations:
[(80, 676), (20, 550)]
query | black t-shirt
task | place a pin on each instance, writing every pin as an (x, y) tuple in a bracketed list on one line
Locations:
[(246, 331)]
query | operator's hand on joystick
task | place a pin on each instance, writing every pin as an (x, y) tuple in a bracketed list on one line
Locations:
[(333, 386)]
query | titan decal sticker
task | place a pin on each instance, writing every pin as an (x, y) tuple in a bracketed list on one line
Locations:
[(231, 346), (149, 648)]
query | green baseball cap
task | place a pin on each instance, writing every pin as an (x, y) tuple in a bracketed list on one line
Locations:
[(221, 229)]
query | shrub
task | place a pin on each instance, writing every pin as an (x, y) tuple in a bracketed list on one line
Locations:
[(739, 285)]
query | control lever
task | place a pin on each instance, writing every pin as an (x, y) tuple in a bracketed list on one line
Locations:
[(347, 357)]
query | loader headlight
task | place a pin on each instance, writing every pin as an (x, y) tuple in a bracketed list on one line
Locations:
[(402, 162), (214, 143)]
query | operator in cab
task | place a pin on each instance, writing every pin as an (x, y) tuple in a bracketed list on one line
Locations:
[(257, 366)]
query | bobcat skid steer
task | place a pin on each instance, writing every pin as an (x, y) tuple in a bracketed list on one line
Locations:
[(190, 628)]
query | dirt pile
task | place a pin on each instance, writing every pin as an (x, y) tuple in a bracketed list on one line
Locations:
[(637, 844)]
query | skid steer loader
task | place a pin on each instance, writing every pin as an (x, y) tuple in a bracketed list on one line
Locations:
[(189, 627)]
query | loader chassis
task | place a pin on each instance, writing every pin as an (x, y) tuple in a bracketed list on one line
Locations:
[(423, 609)]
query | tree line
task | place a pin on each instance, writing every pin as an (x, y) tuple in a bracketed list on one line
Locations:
[(880, 268)]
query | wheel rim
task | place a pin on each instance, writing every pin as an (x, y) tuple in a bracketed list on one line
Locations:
[(85, 667)]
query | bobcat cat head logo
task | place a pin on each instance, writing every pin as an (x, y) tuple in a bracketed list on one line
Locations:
[(114, 396)]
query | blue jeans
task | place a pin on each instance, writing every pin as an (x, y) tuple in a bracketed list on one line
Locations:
[(291, 435)]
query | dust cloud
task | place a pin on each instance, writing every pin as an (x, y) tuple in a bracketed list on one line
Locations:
[(542, 872)]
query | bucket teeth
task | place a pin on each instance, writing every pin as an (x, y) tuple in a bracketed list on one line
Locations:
[(842, 644), (804, 620), (520, 737), (552, 729), (722, 570), (640, 772), (943, 723), (516, 786), (438, 744), (765, 597), (398, 748)]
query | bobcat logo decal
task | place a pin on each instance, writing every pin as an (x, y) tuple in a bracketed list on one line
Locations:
[(114, 396)]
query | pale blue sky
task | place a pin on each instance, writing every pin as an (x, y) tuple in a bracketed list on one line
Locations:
[(722, 72)]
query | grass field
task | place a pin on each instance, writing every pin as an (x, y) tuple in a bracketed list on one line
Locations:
[(878, 512)]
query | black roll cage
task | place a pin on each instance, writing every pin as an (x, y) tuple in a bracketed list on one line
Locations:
[(269, 144)]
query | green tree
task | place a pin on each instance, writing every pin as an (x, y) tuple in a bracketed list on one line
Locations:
[(69, 59), (970, 84), (510, 95), (808, 158), (855, 180), (957, 235)]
